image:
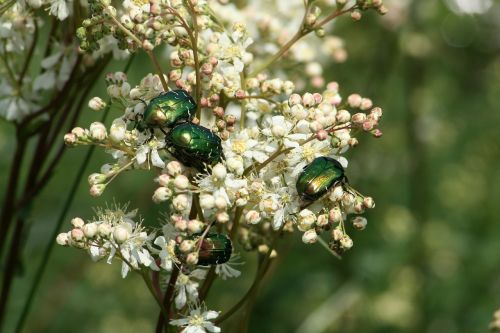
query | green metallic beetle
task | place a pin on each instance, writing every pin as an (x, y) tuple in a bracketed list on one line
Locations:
[(194, 145), (167, 110), (215, 249), (318, 177)]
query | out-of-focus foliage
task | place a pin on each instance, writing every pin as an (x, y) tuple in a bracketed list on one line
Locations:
[(428, 261)]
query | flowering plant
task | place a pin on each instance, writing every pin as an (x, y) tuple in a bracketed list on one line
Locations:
[(244, 152)]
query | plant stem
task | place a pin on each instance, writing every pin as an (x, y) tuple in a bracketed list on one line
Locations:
[(167, 300), (209, 280), (147, 280), (303, 31), (69, 200), (194, 45), (150, 53)]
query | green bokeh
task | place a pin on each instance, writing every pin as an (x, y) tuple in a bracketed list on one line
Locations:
[(428, 260)]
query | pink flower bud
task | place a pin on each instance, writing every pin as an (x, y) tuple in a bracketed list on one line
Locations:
[(354, 100), (77, 234), (321, 135)]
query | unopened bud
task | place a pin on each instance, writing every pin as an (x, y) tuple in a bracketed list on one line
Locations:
[(90, 230), (97, 189), (77, 234), (120, 234), (359, 222), (62, 239), (97, 104), (310, 236)]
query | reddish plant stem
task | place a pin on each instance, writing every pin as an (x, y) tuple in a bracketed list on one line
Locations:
[(167, 300)]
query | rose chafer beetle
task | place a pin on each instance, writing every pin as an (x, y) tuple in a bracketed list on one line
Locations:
[(215, 249), (194, 145), (168, 109), (318, 177)]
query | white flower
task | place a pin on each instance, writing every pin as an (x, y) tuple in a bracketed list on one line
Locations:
[(279, 128), (197, 322), (60, 8), (167, 253), (225, 270), (150, 148), (187, 287), (242, 144)]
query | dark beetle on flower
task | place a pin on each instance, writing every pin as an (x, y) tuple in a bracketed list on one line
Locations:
[(318, 177), (215, 249), (168, 109), (194, 145)]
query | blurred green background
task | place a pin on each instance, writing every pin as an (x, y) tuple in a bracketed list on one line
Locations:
[(428, 260)]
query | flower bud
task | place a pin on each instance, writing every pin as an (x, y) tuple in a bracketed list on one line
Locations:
[(368, 202), (187, 246), (162, 194), (220, 203), (368, 125), (120, 234), (218, 112), (321, 135), (96, 178), (77, 234), (97, 104), (358, 118), (97, 131), (90, 230), (125, 89), (354, 100), (366, 104), (180, 224), (278, 131), (181, 182), (337, 234), (77, 222), (310, 236), (117, 130), (192, 258), (207, 201), (346, 242), (174, 168), (194, 226), (222, 217), (62, 239), (306, 219), (356, 15), (219, 171), (147, 45), (359, 222), (163, 179), (335, 215), (322, 220), (308, 100), (348, 199), (70, 139), (180, 202), (343, 116), (97, 189), (337, 193), (252, 217)]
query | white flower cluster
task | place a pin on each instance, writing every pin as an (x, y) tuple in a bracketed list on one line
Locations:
[(265, 126)]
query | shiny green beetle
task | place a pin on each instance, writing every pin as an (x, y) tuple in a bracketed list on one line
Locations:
[(318, 177), (194, 145), (215, 249), (168, 109)]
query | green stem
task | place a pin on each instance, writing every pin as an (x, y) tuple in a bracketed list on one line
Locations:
[(62, 216), (150, 53), (303, 31)]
